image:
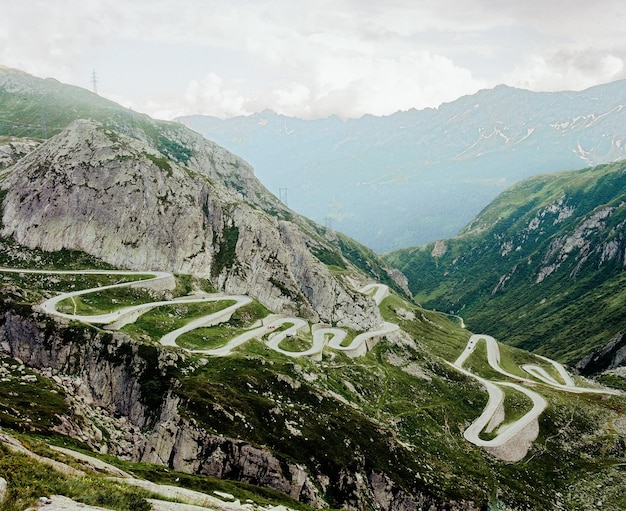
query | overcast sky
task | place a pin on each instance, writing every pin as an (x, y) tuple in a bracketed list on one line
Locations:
[(312, 58)]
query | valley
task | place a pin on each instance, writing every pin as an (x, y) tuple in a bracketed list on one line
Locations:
[(417, 176), (511, 439), (162, 312)]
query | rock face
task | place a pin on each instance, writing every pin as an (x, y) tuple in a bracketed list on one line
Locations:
[(611, 356), (12, 149), (118, 198), (134, 384), (179, 443)]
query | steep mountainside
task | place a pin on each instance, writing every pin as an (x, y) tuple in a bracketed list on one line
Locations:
[(381, 431), (274, 363), (36, 108), (418, 176), (541, 268), (163, 197)]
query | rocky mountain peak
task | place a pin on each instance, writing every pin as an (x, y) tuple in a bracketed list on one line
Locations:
[(190, 207)]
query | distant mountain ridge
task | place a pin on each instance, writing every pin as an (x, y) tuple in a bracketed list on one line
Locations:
[(417, 176), (542, 267)]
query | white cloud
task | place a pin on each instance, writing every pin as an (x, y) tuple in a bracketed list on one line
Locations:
[(347, 84), (311, 59), (567, 70)]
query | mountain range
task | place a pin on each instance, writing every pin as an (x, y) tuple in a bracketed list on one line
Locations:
[(542, 267), (421, 175), (168, 326)]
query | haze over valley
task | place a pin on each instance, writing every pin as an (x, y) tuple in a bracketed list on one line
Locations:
[(172, 329), (422, 175)]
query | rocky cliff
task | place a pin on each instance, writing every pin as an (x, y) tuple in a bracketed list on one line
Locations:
[(123, 398), (192, 208), (541, 268)]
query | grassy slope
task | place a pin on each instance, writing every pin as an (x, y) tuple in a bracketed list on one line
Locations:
[(371, 413), (399, 409), (575, 309)]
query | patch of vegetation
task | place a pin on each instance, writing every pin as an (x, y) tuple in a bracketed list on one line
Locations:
[(613, 380), (207, 338), (155, 380), (28, 402), (161, 162), (297, 343), (28, 480), (328, 257), (33, 287), (217, 336), (225, 257), (159, 321), (14, 255), (174, 150), (442, 337), (106, 301)]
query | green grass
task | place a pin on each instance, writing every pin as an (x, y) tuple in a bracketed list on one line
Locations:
[(350, 335), (163, 319), (34, 288), (28, 480), (297, 343), (516, 405), (280, 328), (217, 336), (612, 380), (29, 402), (109, 300), (13, 255), (433, 330), (208, 338)]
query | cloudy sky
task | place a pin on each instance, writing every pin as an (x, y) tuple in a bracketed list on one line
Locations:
[(312, 58)]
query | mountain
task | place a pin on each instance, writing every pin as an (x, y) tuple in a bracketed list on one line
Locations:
[(418, 176), (39, 108), (157, 195), (161, 312), (542, 267)]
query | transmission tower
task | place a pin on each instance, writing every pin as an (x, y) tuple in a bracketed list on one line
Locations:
[(94, 82), (282, 195)]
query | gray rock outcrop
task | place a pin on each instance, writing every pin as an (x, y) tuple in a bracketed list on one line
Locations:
[(13, 149), (120, 199), (115, 374)]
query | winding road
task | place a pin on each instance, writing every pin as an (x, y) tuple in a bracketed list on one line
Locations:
[(322, 337), (511, 438), (493, 413)]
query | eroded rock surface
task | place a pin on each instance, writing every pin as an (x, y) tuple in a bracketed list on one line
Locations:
[(120, 199)]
